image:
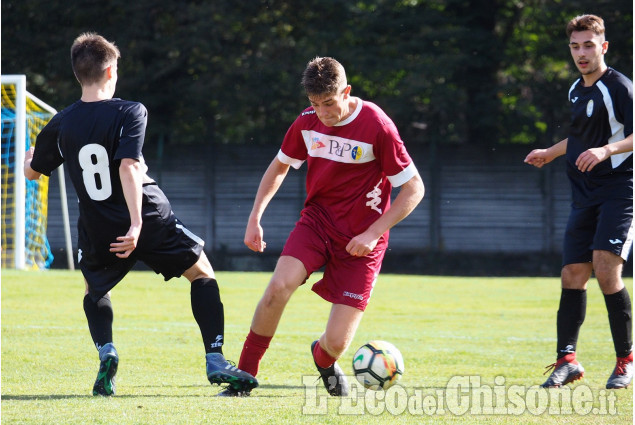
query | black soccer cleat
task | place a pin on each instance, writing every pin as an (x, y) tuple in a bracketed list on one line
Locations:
[(220, 371), (230, 392), (109, 361), (333, 377)]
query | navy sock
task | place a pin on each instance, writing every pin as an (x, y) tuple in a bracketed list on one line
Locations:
[(100, 317), (618, 306), (209, 314), (571, 315)]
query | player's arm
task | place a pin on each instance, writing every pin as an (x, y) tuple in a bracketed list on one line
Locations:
[(591, 157), (269, 185), (410, 194), (131, 173), (540, 157), (45, 156), (29, 172)]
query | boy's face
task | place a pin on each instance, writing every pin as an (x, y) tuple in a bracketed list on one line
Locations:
[(587, 50), (332, 108)]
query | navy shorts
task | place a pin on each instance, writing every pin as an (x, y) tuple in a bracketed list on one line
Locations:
[(165, 245), (606, 227)]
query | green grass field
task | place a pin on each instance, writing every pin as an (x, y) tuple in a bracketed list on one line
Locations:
[(450, 331)]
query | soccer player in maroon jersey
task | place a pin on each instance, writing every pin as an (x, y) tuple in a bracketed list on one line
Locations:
[(354, 157), (123, 215), (599, 234)]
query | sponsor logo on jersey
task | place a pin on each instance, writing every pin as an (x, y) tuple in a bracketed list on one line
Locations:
[(589, 108), (352, 295), (317, 144), (574, 99), (615, 241), (312, 111), (357, 152), (337, 149)]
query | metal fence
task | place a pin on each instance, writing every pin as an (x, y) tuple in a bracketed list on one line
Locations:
[(480, 203)]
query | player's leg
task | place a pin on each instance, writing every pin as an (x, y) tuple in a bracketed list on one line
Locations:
[(572, 307), (102, 271), (575, 275), (169, 248), (288, 275), (209, 314), (348, 284), (608, 271), (340, 331), (207, 307), (612, 245), (99, 315)]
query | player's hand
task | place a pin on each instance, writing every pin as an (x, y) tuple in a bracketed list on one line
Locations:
[(28, 156), (126, 244), (361, 245), (253, 237), (590, 158), (538, 158)]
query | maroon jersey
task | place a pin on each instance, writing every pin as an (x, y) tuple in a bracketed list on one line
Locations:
[(351, 167)]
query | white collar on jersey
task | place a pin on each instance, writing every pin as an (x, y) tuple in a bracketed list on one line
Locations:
[(351, 117)]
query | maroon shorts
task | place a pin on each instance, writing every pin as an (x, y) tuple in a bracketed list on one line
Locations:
[(347, 279)]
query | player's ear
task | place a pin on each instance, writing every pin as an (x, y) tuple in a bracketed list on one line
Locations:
[(111, 71), (605, 47), (347, 90)]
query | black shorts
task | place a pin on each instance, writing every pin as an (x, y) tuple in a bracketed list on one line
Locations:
[(606, 227), (165, 245)]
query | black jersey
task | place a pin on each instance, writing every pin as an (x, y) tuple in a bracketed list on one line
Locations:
[(601, 114), (92, 138)]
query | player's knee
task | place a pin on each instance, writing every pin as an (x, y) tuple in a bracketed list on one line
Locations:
[(202, 269), (278, 292), (575, 276)]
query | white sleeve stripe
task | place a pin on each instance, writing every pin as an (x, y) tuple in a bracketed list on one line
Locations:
[(295, 163), (617, 128), (406, 174)]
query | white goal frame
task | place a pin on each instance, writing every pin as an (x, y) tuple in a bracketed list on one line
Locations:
[(20, 181)]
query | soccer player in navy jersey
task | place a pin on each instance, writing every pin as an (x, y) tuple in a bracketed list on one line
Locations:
[(354, 157), (123, 215), (599, 233)]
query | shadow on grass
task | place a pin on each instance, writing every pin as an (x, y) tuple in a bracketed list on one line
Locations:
[(32, 397)]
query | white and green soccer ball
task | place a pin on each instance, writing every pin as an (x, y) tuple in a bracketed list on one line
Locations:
[(378, 365)]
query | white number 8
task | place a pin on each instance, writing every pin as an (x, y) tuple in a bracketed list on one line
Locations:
[(93, 159)]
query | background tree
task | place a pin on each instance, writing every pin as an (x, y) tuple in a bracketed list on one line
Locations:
[(480, 72)]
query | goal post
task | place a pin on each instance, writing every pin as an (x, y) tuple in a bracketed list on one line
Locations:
[(25, 204)]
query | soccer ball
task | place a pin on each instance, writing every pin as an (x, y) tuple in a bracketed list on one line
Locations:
[(378, 365)]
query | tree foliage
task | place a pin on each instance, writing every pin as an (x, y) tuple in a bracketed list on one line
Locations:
[(446, 71)]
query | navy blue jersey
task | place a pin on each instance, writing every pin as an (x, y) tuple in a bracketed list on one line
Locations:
[(92, 138), (601, 114)]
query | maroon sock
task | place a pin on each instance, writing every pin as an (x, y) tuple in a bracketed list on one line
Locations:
[(253, 351), (321, 357), (569, 358)]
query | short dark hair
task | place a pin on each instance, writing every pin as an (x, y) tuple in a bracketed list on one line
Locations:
[(91, 54), (592, 23), (323, 76)]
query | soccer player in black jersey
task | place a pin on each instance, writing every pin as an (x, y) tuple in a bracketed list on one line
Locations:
[(599, 233), (123, 215)]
